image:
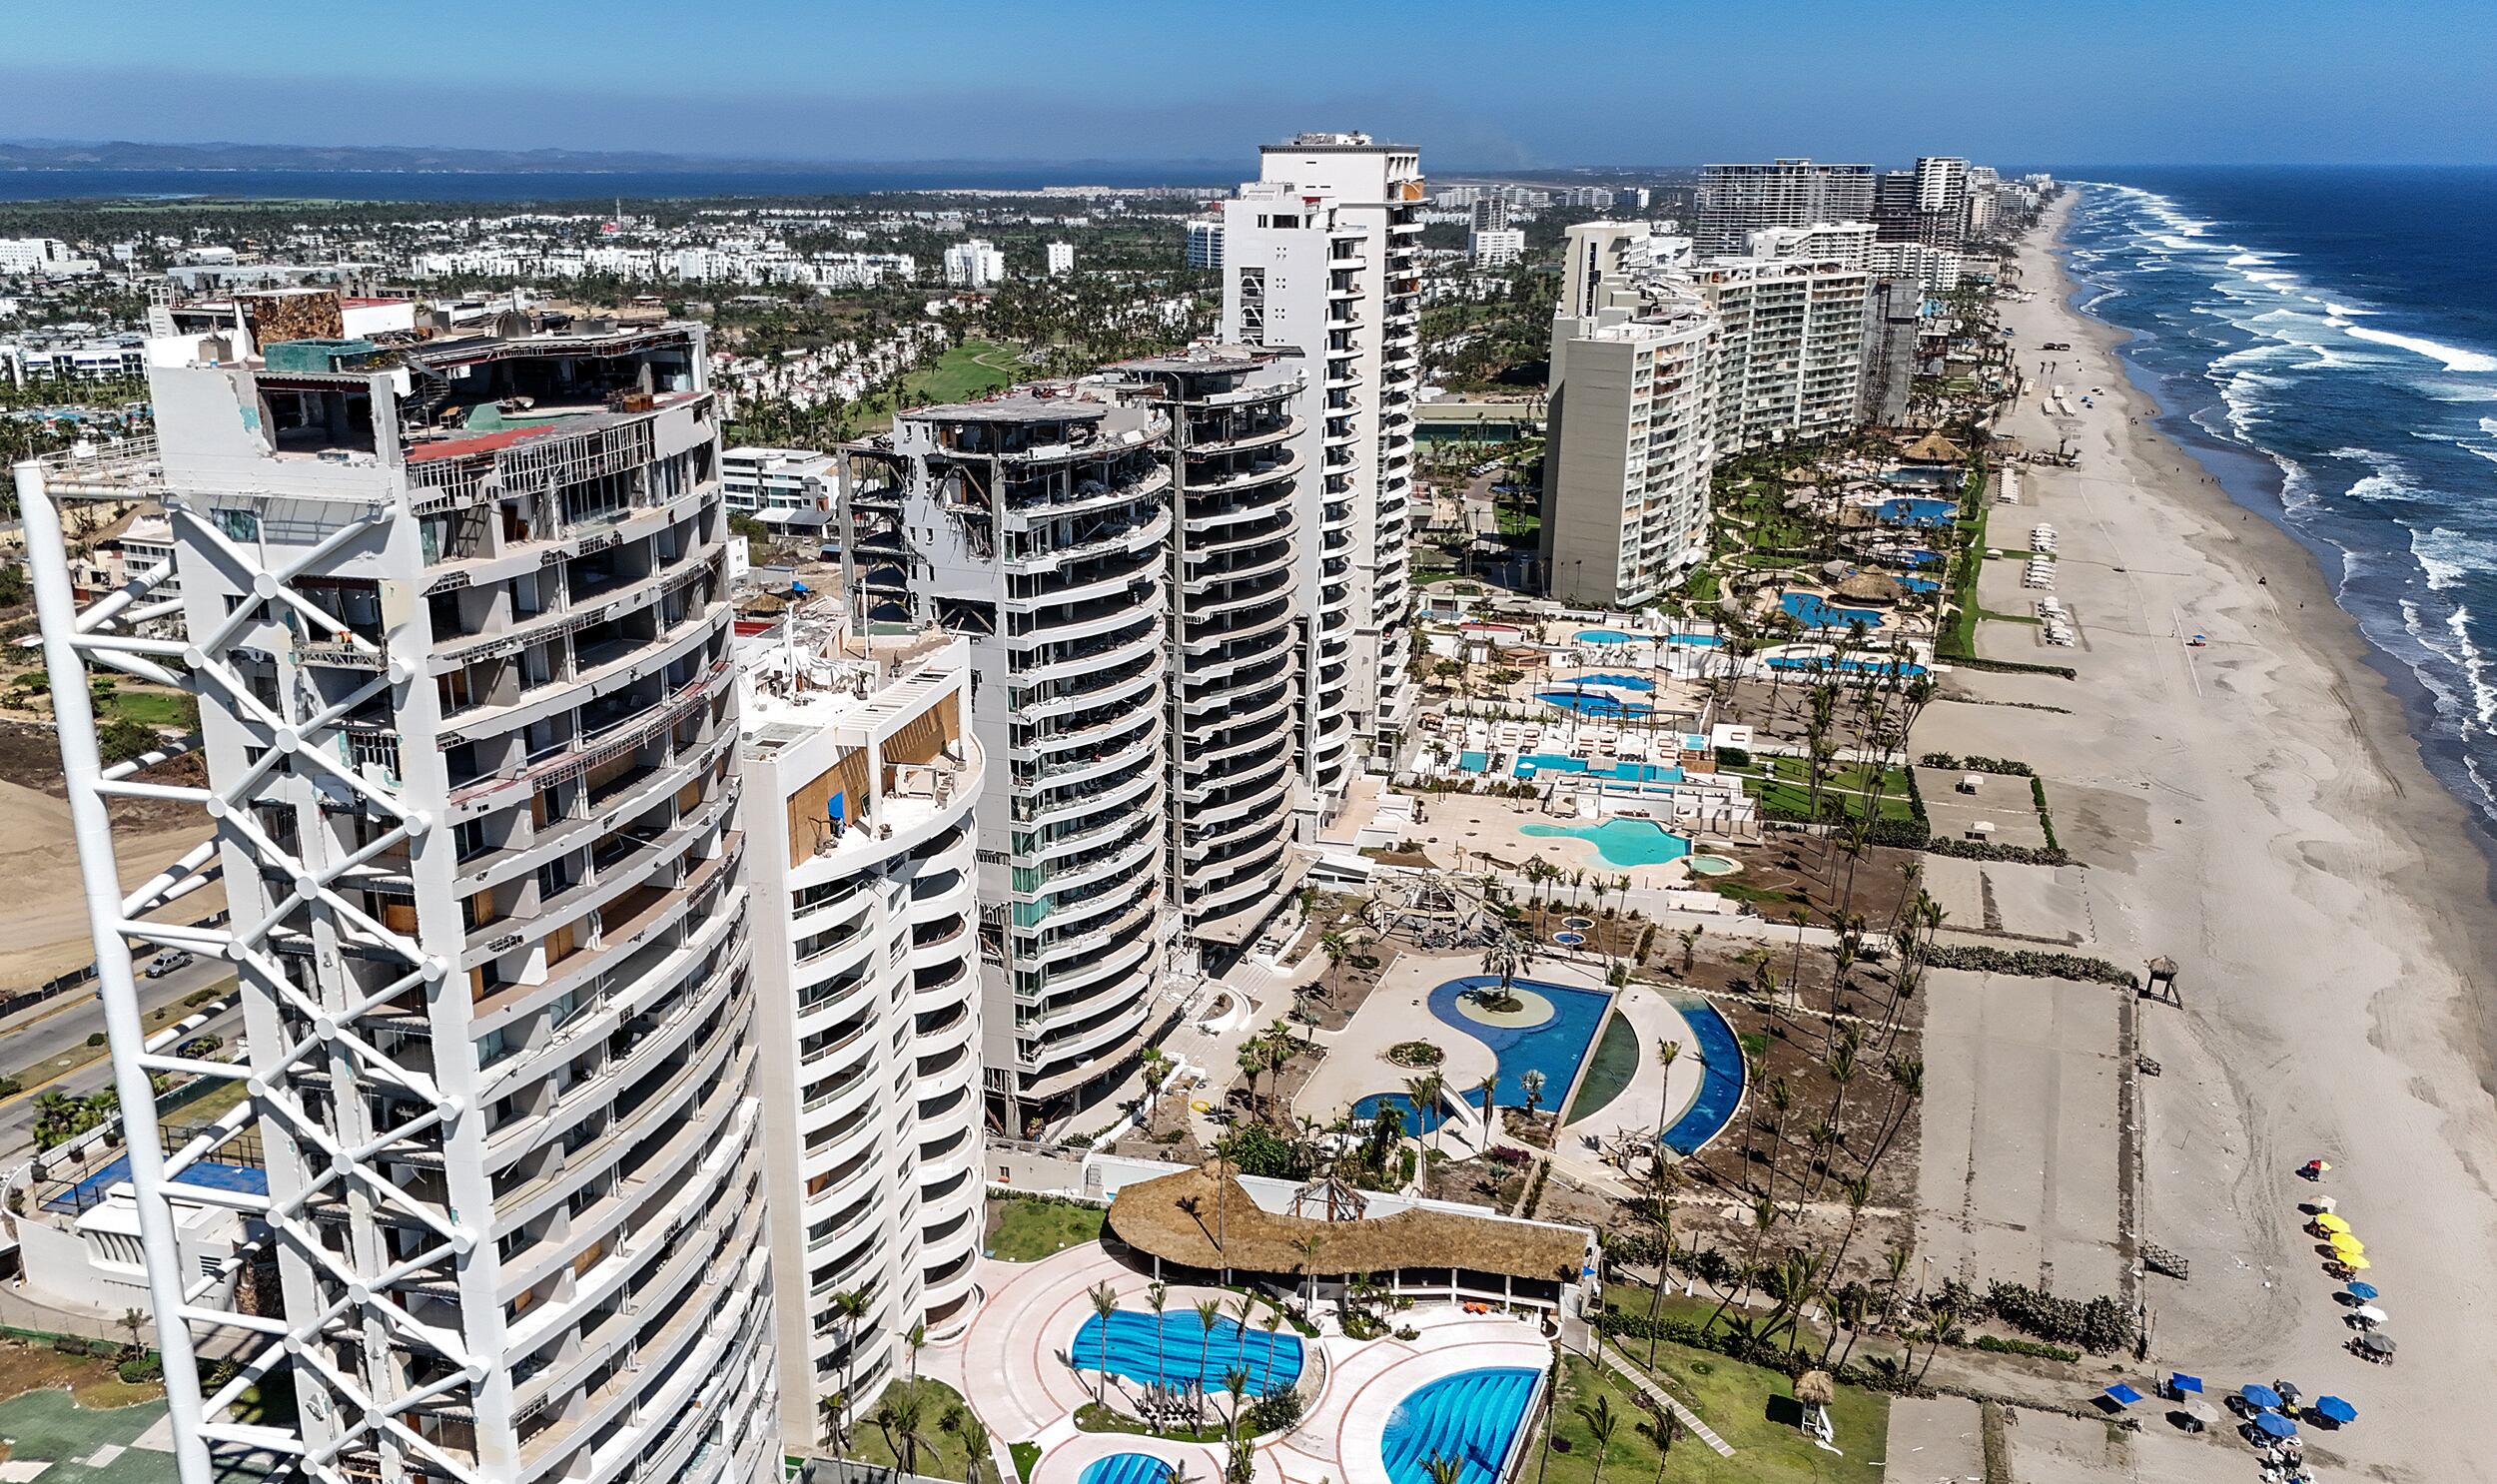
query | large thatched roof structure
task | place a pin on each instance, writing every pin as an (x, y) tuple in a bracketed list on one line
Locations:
[(1934, 448), (1870, 587), (1175, 1216)]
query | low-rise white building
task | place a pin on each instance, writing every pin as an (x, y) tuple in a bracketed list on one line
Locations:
[(1496, 247)]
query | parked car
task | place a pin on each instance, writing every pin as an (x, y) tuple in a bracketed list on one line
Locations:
[(167, 962)]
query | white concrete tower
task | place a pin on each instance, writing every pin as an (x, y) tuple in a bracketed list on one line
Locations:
[(1320, 260), (1036, 526), (461, 643), (861, 774)]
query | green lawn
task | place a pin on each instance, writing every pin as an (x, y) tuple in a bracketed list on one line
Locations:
[(1023, 1229), (1781, 783), (941, 1452), (962, 372), (151, 708), (1735, 1401)]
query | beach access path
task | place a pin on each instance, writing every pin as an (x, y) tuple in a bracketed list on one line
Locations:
[(2256, 810)]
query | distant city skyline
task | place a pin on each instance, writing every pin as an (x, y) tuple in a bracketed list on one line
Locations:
[(1601, 82)]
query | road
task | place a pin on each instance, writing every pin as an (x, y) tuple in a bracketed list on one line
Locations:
[(48, 1030)]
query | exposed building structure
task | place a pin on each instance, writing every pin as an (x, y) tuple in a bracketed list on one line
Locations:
[(1892, 312), (1737, 200), (861, 776), (1235, 656), (1037, 526), (1321, 262), (466, 715)]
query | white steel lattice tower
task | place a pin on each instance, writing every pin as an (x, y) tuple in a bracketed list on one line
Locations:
[(457, 627)]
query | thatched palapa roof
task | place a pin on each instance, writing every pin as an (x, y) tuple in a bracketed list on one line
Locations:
[(1175, 1216), (1934, 448), (1870, 587)]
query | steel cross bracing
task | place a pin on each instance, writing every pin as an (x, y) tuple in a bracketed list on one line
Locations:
[(350, 1346)]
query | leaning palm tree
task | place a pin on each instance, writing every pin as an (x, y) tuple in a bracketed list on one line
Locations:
[(975, 1439), (1601, 1425), (831, 1408), (1667, 1053), (1439, 1468), (1157, 1294), (1208, 1314), (1272, 1324)]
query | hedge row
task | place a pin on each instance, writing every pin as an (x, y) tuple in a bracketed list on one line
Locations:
[(1973, 763), (2008, 666), (1987, 850), (2029, 962)]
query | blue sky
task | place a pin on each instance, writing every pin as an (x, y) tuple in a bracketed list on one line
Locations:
[(1525, 83)]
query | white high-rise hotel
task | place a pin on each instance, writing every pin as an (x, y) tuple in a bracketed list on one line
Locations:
[(1321, 261), (468, 719)]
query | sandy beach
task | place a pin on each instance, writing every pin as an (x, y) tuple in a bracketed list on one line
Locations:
[(2255, 810)]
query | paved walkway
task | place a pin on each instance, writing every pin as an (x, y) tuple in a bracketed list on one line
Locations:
[(1011, 1362), (1665, 1399)]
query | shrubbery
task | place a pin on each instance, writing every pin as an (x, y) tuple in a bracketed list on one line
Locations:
[(1277, 1411), (2028, 962), (2098, 1325)]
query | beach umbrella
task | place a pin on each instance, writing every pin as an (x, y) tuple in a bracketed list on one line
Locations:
[(2322, 1204), (2180, 1383), (2376, 1342), (2203, 1413), (2359, 1291), (2347, 1245), (2331, 1222), (2369, 1315), (2355, 1263), (2123, 1395), (2334, 1410), (2273, 1425), (2259, 1395)]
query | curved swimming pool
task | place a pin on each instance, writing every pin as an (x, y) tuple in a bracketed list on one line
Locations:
[(1180, 1351), (1553, 1047), (1473, 1417), (1619, 683), (1721, 1086), (1605, 637), (1622, 842), (1815, 611), (1126, 1468)]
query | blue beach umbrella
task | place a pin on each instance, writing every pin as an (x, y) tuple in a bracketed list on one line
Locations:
[(2334, 1410), (2363, 1292), (2180, 1383), (2123, 1395), (2259, 1395), (2273, 1425)]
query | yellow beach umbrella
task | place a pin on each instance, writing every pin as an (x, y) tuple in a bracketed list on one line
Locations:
[(2356, 1263), (2347, 1245), (2331, 1222)]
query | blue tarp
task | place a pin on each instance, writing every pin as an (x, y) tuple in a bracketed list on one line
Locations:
[(2123, 1395), (2181, 1382)]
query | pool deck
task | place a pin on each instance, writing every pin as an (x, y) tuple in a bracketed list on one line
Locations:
[(1009, 1360), (1399, 1010), (1475, 824)]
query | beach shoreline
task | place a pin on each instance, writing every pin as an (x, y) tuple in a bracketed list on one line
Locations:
[(2259, 809)]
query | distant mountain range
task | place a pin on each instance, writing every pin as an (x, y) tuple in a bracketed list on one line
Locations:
[(126, 155)]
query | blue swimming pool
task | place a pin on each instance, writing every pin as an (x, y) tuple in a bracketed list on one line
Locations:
[(1918, 584), (1850, 666), (1816, 611), (1126, 1468), (1622, 842), (1605, 637), (1474, 762), (1705, 641), (1595, 703), (1185, 1352), (1474, 1416), (1618, 682), (1721, 1089), (1553, 1047), (1907, 511), (1533, 763)]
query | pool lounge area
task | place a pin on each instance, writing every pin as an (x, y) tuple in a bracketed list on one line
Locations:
[(1815, 611), (1621, 841)]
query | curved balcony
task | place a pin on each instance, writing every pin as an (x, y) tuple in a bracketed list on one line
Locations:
[(1090, 495), (1104, 862), (1096, 655), (1268, 557), (1261, 433), (1106, 687), (1089, 620), (1098, 731), (1113, 580), (1142, 535)]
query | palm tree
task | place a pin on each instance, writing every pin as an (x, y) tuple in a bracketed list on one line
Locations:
[(1666, 1430), (975, 1437), (902, 1418), (1443, 1469), (1530, 1083), (917, 1340), (1272, 1324), (1601, 1424), (1507, 956), (1667, 1053), (1236, 1384), (1208, 1314), (1104, 1304), (1306, 1246), (1158, 1293), (829, 1409), (849, 1307)]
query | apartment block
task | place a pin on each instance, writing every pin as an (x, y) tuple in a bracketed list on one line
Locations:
[(1737, 200), (1630, 447), (467, 713), (1791, 349), (789, 490), (976, 263), (862, 773), (1322, 263), (1036, 525), (1846, 243)]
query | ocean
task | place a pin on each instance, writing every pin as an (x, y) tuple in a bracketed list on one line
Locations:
[(2324, 341)]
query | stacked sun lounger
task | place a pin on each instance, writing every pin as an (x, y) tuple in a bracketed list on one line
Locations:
[(2038, 574), (2057, 623)]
